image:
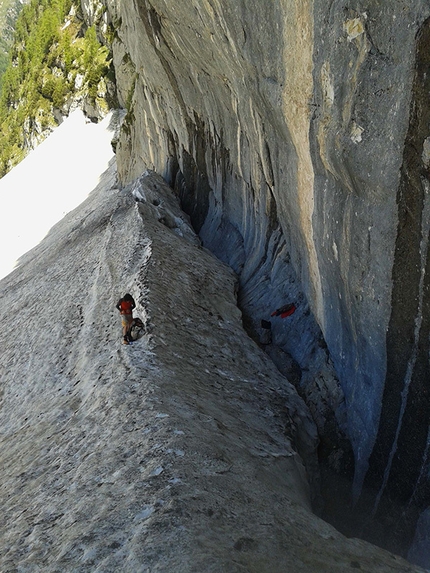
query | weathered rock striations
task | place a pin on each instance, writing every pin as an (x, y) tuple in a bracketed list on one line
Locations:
[(296, 134), (179, 453)]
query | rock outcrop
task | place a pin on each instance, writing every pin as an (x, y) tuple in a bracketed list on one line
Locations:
[(297, 136), (179, 453)]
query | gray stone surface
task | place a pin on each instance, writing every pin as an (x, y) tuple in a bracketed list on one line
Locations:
[(179, 453), (284, 127)]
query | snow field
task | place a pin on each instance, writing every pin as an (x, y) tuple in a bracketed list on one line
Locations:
[(51, 181)]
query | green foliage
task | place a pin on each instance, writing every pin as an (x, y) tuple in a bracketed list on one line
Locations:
[(50, 61), (9, 10), (129, 117), (94, 61), (3, 59)]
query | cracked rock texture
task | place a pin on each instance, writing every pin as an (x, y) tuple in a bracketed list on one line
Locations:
[(297, 135)]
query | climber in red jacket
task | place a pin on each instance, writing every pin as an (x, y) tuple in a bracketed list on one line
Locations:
[(125, 305)]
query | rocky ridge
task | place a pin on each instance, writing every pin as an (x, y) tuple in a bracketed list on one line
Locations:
[(182, 452)]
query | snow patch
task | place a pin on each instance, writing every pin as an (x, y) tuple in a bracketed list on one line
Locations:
[(49, 183)]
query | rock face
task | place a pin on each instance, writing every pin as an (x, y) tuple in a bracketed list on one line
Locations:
[(178, 453), (297, 135)]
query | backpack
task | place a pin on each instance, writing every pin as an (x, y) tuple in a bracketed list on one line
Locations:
[(137, 329)]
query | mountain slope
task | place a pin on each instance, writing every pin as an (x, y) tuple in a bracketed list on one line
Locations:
[(56, 64), (178, 453)]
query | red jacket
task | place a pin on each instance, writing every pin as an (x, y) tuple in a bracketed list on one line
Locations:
[(125, 306), (284, 311)]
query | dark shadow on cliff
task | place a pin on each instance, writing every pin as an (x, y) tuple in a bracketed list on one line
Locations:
[(330, 468), (397, 487), (265, 285)]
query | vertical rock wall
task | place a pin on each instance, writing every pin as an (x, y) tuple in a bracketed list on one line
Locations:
[(283, 125), (400, 462), (363, 71), (216, 105)]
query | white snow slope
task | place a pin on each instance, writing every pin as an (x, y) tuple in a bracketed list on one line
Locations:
[(51, 181), (176, 454)]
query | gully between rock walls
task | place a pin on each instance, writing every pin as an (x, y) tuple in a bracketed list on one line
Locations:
[(296, 345)]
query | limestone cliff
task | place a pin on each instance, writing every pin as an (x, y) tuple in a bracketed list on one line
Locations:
[(181, 453), (296, 133)]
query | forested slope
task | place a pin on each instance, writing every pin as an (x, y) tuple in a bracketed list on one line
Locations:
[(9, 11), (56, 62)]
